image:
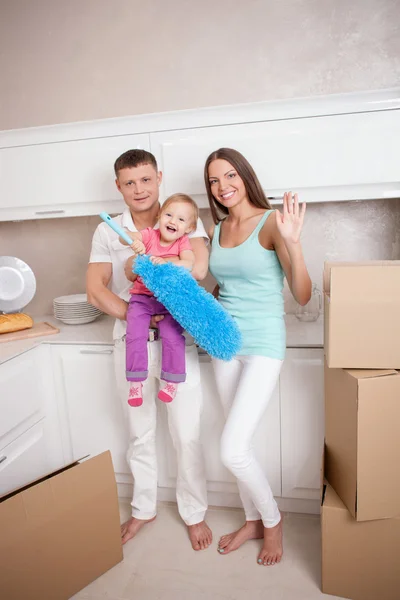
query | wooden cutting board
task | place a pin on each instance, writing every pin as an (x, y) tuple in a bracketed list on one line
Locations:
[(36, 330)]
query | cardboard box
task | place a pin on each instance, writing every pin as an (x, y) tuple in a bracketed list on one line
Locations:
[(362, 434), (359, 560), (60, 533), (362, 316)]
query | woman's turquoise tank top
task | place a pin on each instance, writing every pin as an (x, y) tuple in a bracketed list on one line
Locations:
[(250, 280)]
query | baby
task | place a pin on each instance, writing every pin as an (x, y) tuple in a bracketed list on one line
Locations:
[(169, 243)]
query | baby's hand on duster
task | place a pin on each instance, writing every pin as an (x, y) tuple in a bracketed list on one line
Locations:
[(138, 247), (157, 260)]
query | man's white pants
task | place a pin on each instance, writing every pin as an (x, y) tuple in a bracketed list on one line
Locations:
[(184, 424), (245, 386)]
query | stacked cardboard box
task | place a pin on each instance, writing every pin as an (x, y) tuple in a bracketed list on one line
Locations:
[(360, 511)]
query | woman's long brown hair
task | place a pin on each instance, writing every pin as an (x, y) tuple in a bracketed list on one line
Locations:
[(245, 171)]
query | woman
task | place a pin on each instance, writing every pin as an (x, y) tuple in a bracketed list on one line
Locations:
[(253, 248)]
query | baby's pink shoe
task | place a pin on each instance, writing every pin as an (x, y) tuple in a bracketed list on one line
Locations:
[(168, 392), (135, 393)]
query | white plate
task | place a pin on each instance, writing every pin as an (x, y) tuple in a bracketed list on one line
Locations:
[(17, 284), (72, 299), (73, 307), (75, 313), (79, 321), (62, 317)]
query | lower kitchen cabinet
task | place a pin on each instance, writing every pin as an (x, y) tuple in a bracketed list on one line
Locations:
[(30, 444), (302, 422), (25, 459), (92, 416), (61, 404)]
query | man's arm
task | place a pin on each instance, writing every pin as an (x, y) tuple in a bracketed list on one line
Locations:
[(128, 269), (97, 279), (200, 250), (187, 259)]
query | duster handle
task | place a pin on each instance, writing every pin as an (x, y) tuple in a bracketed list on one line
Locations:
[(107, 219)]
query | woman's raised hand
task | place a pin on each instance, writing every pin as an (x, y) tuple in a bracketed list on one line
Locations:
[(290, 223)]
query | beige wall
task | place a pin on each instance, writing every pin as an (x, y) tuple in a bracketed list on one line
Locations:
[(63, 61), (89, 59)]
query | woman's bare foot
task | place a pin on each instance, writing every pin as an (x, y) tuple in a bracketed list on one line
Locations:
[(200, 535), (251, 530), (272, 549), (132, 527)]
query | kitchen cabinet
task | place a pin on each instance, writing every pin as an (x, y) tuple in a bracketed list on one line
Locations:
[(63, 179), (21, 399), (60, 403), (25, 459), (331, 157), (92, 418), (30, 444), (302, 422), (338, 147)]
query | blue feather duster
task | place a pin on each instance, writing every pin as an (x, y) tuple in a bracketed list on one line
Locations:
[(192, 306)]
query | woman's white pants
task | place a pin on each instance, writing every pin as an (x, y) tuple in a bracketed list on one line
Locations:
[(245, 385)]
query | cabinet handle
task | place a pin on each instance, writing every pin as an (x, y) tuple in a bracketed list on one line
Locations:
[(96, 351), (49, 212), (2, 459)]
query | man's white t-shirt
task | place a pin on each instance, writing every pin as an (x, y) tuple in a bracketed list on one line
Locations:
[(106, 248)]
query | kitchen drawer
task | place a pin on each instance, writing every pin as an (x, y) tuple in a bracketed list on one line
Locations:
[(21, 393), (25, 459)]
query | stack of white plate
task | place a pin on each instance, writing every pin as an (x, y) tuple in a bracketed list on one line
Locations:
[(75, 309)]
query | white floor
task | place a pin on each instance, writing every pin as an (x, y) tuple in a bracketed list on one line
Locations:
[(160, 564)]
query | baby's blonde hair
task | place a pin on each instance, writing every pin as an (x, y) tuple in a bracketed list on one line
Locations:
[(183, 199)]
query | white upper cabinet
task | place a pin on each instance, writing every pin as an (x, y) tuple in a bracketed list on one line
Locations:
[(62, 179), (339, 147), (337, 157)]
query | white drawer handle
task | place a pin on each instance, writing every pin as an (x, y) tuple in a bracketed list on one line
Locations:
[(2, 459), (96, 351), (49, 212)]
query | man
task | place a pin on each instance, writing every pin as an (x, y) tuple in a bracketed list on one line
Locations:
[(138, 180)]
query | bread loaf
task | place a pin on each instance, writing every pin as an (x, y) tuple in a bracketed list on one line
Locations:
[(15, 322)]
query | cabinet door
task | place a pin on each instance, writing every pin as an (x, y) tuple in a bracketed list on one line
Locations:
[(63, 179), (302, 422), (91, 409), (25, 459), (335, 157), (21, 395), (29, 422), (219, 479)]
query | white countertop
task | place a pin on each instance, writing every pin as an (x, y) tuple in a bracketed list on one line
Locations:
[(298, 335)]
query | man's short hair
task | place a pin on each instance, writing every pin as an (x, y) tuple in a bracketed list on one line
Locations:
[(134, 158)]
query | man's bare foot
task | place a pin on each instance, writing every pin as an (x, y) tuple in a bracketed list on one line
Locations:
[(272, 549), (251, 530), (200, 535), (132, 527)]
